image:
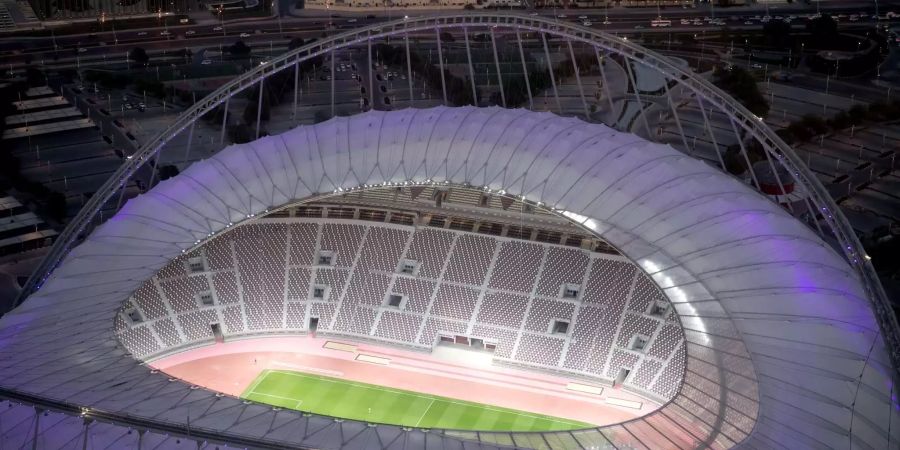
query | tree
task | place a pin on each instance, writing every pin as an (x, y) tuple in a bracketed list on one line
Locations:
[(239, 49), (740, 83), (34, 76), (778, 34), (823, 30), (139, 55), (167, 171), (239, 134), (295, 43)]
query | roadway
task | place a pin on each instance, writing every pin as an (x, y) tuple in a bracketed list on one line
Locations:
[(18, 51)]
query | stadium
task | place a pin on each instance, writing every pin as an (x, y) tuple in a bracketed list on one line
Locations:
[(436, 275)]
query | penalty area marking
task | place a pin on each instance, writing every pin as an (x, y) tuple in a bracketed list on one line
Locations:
[(257, 381), (299, 402)]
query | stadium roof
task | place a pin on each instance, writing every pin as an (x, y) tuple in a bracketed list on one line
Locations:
[(781, 338)]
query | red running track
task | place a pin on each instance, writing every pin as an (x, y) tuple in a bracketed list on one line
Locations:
[(231, 367)]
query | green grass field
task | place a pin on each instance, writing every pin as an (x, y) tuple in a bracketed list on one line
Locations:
[(367, 402)]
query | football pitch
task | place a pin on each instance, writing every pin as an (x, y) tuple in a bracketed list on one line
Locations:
[(376, 404)]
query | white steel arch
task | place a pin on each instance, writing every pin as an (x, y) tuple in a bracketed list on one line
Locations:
[(818, 203)]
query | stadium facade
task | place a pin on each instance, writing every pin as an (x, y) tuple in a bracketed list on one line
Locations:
[(782, 344)]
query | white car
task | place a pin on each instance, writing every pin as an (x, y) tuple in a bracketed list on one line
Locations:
[(206, 62), (533, 14), (561, 16), (245, 35), (219, 28), (351, 21), (586, 23), (582, 17), (81, 49), (165, 33), (748, 22), (190, 33), (142, 33)]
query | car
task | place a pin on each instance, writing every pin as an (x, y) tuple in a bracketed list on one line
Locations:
[(582, 17), (533, 13), (854, 17), (206, 62), (756, 66), (184, 20), (141, 105), (748, 22), (245, 35), (402, 77), (142, 33), (81, 49), (638, 27), (351, 20), (165, 33), (561, 16), (190, 33), (219, 28), (586, 23)]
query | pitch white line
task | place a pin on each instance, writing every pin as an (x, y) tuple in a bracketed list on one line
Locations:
[(258, 380), (426, 412), (278, 396)]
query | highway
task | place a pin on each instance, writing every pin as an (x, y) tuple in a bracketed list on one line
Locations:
[(17, 52)]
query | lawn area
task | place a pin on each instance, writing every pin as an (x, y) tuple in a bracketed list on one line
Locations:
[(367, 402)]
